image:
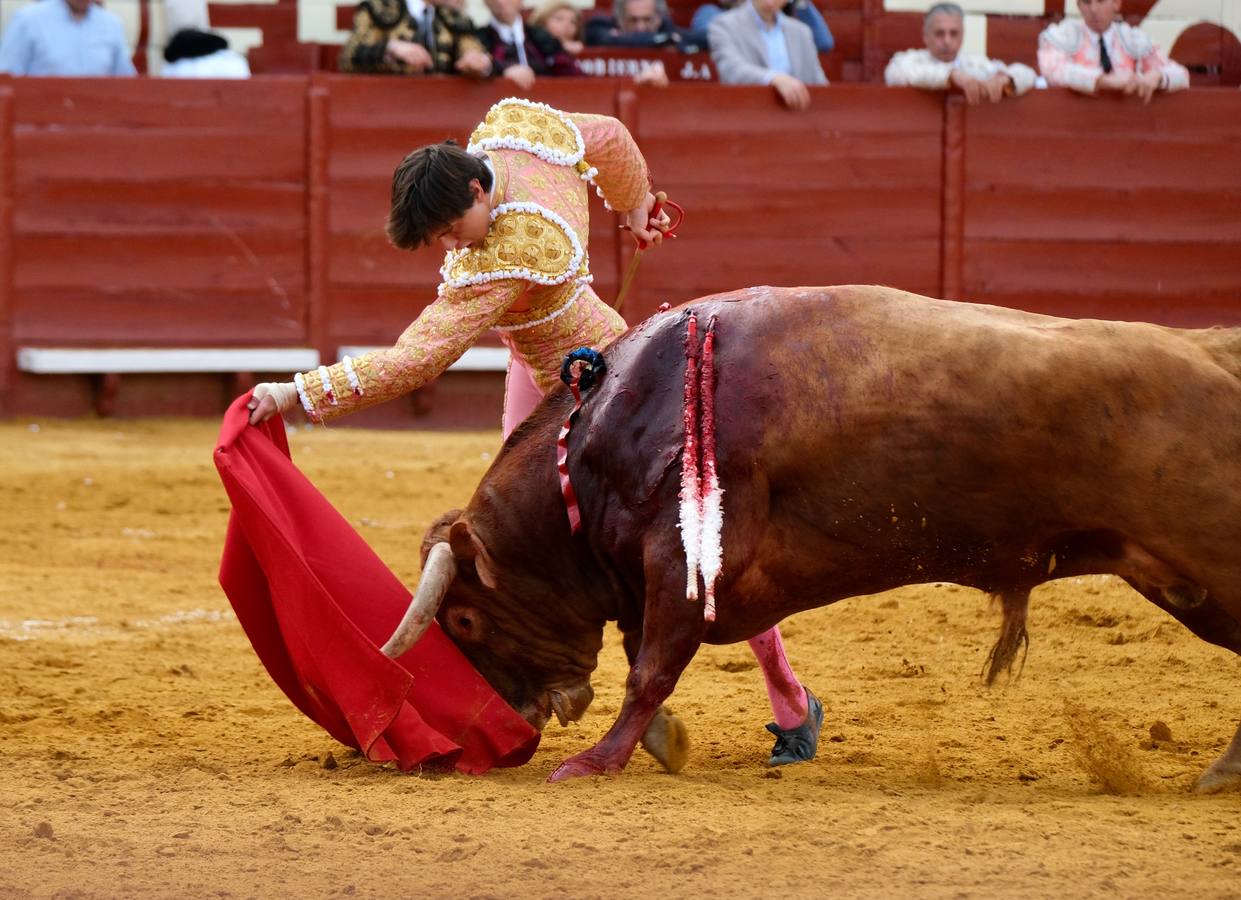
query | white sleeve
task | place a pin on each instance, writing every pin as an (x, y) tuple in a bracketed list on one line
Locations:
[(916, 68)]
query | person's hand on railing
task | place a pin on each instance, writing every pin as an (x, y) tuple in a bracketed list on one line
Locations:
[(410, 53)]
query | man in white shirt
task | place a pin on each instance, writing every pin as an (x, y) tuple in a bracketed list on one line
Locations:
[(1102, 53), (942, 65)]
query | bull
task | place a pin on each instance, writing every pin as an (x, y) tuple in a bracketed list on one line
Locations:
[(862, 439)]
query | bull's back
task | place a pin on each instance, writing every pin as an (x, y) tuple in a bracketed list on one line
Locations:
[(883, 429)]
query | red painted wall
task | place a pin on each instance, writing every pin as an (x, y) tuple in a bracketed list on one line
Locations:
[(151, 213)]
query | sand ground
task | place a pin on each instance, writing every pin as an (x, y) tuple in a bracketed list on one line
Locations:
[(145, 752)]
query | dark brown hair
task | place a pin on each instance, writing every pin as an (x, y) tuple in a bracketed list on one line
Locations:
[(430, 191)]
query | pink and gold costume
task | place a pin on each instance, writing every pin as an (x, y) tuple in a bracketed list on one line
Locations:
[(1068, 56), (534, 251)]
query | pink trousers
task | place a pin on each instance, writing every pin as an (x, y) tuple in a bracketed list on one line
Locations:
[(521, 395)]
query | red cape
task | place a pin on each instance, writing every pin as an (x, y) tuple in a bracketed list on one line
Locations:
[(316, 603)]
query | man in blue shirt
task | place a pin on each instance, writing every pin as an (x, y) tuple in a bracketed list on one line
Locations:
[(72, 38)]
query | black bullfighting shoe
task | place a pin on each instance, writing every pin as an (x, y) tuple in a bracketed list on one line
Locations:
[(798, 744)]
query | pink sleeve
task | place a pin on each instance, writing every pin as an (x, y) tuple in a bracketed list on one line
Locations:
[(622, 179), (435, 340)]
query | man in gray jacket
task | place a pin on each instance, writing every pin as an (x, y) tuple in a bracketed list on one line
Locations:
[(757, 44)]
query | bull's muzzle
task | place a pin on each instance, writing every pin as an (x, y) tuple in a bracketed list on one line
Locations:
[(437, 576)]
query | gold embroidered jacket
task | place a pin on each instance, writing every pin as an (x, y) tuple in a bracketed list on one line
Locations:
[(375, 22), (535, 250)]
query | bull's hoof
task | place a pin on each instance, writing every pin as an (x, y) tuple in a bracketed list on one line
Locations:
[(1218, 779), (798, 744), (581, 765), (667, 739)]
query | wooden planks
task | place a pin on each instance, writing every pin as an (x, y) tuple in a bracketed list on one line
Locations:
[(174, 214), (846, 192), (152, 212), (1097, 206)]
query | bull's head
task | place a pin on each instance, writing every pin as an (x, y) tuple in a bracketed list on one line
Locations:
[(537, 658)]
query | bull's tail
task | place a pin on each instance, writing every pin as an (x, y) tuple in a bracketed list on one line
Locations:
[(1223, 345), (1013, 634)]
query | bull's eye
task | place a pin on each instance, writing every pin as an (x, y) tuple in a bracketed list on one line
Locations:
[(465, 623)]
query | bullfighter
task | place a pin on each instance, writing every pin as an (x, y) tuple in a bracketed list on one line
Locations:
[(511, 211)]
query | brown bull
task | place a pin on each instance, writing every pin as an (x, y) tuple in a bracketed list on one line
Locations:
[(866, 439)]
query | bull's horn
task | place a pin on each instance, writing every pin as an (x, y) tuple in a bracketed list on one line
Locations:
[(437, 575)]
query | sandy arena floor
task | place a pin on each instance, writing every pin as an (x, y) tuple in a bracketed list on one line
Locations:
[(146, 753)]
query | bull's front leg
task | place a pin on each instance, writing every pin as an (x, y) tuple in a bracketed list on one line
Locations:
[(666, 737), (672, 631)]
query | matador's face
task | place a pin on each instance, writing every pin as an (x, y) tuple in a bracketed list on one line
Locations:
[(472, 227)]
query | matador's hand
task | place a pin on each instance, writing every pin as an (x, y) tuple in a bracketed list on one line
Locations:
[(647, 229), (270, 398)]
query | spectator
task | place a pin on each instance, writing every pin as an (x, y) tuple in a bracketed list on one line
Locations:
[(519, 52), (563, 21), (642, 23), (1100, 53), (942, 65), (413, 37), (758, 44), (201, 54), (802, 10), (71, 38)]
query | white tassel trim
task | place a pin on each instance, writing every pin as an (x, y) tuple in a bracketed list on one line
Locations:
[(325, 379), (354, 384), (540, 150), (300, 384), (575, 261)]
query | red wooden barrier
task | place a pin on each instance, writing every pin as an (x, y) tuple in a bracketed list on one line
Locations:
[(147, 213), (1096, 207), (157, 212), (847, 193)]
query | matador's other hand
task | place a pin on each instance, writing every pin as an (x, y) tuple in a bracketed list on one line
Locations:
[(271, 398), (647, 229)]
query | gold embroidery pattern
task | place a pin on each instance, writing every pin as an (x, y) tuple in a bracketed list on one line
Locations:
[(464, 312), (511, 122), (522, 243)]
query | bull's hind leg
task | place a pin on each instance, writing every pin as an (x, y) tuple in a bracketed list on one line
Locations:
[(672, 631), (666, 738)]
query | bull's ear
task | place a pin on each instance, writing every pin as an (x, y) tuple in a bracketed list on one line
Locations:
[(464, 623), (468, 549), (438, 532)]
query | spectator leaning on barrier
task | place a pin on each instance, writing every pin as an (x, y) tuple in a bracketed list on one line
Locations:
[(68, 38), (202, 54), (1101, 53), (519, 52), (413, 37), (563, 21), (642, 23), (802, 10), (757, 44), (941, 65)]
